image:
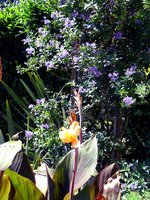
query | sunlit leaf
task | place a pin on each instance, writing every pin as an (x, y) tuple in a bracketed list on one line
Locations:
[(8, 151)]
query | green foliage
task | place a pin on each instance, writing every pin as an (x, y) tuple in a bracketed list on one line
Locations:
[(134, 178)]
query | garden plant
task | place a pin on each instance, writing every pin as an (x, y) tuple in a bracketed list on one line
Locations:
[(88, 60)]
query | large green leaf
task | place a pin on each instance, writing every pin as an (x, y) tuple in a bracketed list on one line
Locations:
[(9, 119), (22, 166), (24, 188), (5, 187), (86, 163), (8, 151)]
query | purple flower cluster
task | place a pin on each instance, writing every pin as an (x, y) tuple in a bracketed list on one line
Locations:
[(47, 21), (69, 23), (118, 35), (75, 14), (138, 21), (133, 186), (93, 70), (28, 134), (30, 50), (31, 106), (113, 76), (123, 186), (46, 126), (40, 101), (39, 42), (49, 64), (130, 71), (55, 15), (128, 101), (149, 50), (64, 53), (27, 40)]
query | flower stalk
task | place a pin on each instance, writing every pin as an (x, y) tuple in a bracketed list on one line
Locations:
[(74, 173)]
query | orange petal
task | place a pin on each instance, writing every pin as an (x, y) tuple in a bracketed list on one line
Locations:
[(75, 143)]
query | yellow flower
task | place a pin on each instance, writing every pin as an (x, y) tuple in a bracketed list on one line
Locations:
[(70, 135)]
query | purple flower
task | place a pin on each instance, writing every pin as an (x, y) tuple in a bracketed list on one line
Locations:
[(128, 101), (40, 101), (75, 14), (39, 42), (133, 187), (101, 24), (46, 126), (83, 17), (123, 186), (27, 40), (93, 70), (58, 36), (113, 76), (28, 134), (31, 106), (69, 22), (130, 71), (49, 64), (40, 29), (118, 36), (52, 43), (62, 2), (149, 50), (138, 22), (75, 59), (64, 53), (30, 50), (44, 33), (47, 21), (35, 144)]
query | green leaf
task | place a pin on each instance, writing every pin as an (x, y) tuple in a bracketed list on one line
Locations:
[(16, 98), (39, 92), (9, 119), (51, 187), (5, 187), (8, 151), (29, 90), (24, 188), (41, 85), (86, 163), (1, 137), (22, 166), (83, 194)]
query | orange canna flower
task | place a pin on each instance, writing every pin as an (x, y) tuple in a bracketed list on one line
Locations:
[(70, 135)]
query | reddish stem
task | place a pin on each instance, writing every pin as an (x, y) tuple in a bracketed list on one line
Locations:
[(81, 121), (73, 174)]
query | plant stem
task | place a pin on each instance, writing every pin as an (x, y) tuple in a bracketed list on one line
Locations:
[(74, 173), (27, 140), (81, 121)]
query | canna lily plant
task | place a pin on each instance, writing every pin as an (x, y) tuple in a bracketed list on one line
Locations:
[(75, 176)]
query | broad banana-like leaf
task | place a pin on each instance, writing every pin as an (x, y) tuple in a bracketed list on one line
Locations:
[(101, 179), (24, 188), (86, 163), (5, 187), (83, 194), (22, 166), (111, 189), (8, 151), (51, 187)]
